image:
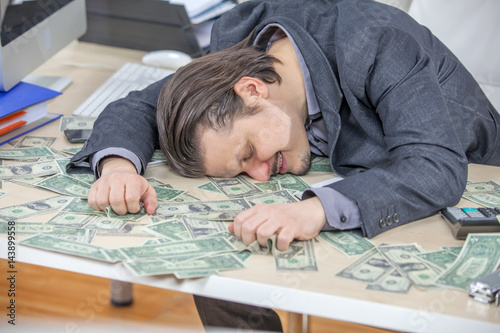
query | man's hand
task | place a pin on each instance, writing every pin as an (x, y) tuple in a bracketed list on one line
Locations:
[(121, 187), (299, 220)]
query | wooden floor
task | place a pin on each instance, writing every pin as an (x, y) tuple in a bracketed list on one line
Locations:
[(68, 302)]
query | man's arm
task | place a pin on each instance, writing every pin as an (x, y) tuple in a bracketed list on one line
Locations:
[(128, 123), (127, 131)]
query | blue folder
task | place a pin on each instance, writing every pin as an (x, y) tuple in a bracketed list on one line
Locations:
[(23, 95)]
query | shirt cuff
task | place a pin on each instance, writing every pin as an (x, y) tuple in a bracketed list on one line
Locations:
[(341, 212), (114, 151)]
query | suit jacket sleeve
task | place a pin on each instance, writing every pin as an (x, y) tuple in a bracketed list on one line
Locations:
[(128, 123), (391, 74)]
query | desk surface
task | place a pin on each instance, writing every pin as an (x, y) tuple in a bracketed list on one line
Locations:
[(316, 293)]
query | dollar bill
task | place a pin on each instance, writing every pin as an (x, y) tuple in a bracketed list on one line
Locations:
[(112, 255), (186, 197), (158, 266), (51, 243), (158, 156), (24, 153), (33, 208), (130, 229), (190, 274), (291, 182), (235, 187), (210, 187), (173, 229), (26, 181), (192, 248), (128, 216), (481, 187), (304, 260), (155, 182), (269, 186), (347, 242), (35, 141), (105, 224), (33, 228), (320, 164), (2, 194), (491, 200), (65, 185), (166, 193), (56, 155), (404, 259), (204, 207), (368, 268), (29, 170), (71, 151), (70, 220), (76, 123), (442, 259), (453, 249), (393, 283), (80, 206), (202, 228), (480, 255), (282, 196), (214, 216)]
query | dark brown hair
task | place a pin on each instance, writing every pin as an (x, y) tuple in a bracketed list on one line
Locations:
[(201, 95)]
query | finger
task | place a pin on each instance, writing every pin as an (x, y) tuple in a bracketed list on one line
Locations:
[(284, 239), (91, 199), (265, 231), (240, 219), (249, 229), (117, 199), (150, 200), (230, 228), (132, 197), (102, 196)]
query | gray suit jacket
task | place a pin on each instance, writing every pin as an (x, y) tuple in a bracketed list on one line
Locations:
[(404, 117)]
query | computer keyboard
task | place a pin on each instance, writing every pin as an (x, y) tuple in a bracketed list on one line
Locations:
[(128, 78)]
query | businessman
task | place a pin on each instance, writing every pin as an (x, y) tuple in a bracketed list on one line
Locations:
[(359, 82)]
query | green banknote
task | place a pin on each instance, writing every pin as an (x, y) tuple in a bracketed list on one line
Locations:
[(51, 243), (393, 283), (65, 185), (185, 268), (33, 208), (201, 207), (404, 259), (282, 196), (368, 268), (25, 153), (347, 242), (442, 259), (192, 247), (235, 187), (28, 170), (173, 229), (480, 255)]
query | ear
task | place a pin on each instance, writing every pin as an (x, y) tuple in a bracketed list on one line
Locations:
[(251, 89)]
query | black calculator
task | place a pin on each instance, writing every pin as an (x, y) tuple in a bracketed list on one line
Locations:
[(463, 221)]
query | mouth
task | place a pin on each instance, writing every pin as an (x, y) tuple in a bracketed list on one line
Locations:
[(282, 164)]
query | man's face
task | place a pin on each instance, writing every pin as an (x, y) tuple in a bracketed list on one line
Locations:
[(261, 145)]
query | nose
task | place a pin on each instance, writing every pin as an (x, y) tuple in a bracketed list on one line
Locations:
[(259, 170)]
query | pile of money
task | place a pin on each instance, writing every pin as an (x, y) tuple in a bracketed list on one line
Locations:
[(395, 268), (188, 237)]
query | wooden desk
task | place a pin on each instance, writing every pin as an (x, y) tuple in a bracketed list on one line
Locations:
[(316, 293)]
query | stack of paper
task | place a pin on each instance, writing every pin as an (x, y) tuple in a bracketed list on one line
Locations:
[(24, 109)]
